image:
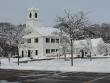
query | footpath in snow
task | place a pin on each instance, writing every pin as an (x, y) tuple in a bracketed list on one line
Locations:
[(80, 65)]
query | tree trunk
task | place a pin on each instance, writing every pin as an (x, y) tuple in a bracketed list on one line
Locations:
[(18, 57), (64, 49), (71, 52)]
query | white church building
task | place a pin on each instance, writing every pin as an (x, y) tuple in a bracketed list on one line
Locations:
[(38, 40)]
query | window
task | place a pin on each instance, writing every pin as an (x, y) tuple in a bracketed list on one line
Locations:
[(57, 40), (35, 15), (36, 40), (28, 40), (30, 15), (36, 52), (56, 50), (47, 51), (52, 50), (47, 40), (52, 40)]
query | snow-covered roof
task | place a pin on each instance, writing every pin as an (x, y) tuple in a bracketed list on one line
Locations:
[(46, 31), (85, 42), (42, 31), (31, 35)]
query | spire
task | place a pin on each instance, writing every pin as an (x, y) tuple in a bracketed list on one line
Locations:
[(32, 17), (33, 14)]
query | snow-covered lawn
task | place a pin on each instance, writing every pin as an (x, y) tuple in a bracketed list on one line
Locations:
[(80, 65)]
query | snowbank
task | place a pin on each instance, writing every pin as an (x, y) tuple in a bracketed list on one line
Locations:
[(80, 65)]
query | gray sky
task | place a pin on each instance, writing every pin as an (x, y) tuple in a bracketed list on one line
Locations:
[(14, 11)]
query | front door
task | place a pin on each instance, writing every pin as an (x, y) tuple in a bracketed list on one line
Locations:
[(29, 53)]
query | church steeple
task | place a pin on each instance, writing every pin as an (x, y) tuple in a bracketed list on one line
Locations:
[(33, 14), (32, 17)]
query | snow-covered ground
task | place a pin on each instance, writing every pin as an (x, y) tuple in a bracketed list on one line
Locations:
[(80, 65)]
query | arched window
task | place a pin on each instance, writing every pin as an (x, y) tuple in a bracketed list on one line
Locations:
[(30, 15), (35, 15)]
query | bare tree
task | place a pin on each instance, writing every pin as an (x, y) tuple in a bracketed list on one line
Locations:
[(104, 49), (89, 48), (72, 25), (64, 42)]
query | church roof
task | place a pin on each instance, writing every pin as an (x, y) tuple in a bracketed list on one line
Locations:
[(42, 31), (46, 31)]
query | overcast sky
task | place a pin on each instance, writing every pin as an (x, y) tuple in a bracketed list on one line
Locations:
[(14, 11)]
